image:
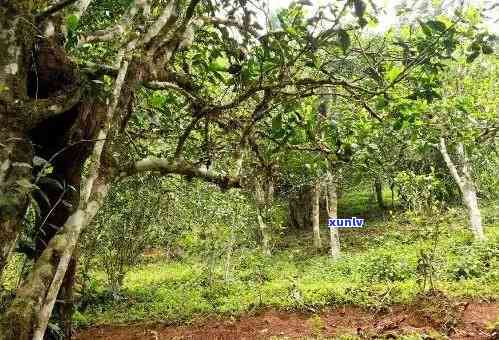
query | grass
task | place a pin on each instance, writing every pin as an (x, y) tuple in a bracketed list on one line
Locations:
[(381, 265)]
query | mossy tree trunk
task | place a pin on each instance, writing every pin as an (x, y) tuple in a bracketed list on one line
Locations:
[(30, 311), (315, 214), (16, 152), (331, 194), (378, 189), (42, 113), (37, 84), (264, 192), (299, 208)]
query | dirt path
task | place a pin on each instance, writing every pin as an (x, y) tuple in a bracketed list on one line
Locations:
[(467, 321)]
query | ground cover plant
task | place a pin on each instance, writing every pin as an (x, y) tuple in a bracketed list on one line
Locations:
[(179, 162)]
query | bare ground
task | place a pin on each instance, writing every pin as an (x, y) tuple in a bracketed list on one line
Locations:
[(433, 318)]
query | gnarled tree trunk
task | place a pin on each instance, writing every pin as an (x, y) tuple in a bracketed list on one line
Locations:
[(38, 85), (299, 208), (30, 311), (16, 153), (304, 210)]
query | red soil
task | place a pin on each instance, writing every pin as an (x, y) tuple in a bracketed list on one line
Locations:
[(468, 321)]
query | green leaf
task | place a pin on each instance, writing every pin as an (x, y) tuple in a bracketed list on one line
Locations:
[(398, 124), (219, 64), (393, 73), (158, 100), (437, 25), (219, 76), (72, 22), (344, 39), (487, 49), (472, 56), (277, 123), (25, 184), (426, 29), (3, 88), (381, 103)]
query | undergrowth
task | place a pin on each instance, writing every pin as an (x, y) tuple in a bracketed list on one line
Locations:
[(381, 264)]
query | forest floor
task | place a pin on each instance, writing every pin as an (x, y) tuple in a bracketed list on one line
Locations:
[(467, 320), (373, 292), (404, 275)]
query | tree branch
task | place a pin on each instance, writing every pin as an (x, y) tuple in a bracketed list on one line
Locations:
[(53, 9), (178, 167), (189, 13), (98, 69), (41, 109), (489, 134), (120, 29), (226, 22), (82, 7), (104, 35), (450, 164), (165, 85), (184, 136), (254, 90), (168, 13)]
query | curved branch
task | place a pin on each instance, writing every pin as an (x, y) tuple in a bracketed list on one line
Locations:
[(97, 70), (53, 9), (184, 136), (227, 22), (42, 109), (178, 167), (165, 85)]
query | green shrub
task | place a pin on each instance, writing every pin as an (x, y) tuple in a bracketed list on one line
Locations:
[(472, 260), (387, 267)]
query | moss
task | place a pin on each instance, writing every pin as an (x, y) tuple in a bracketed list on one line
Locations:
[(59, 243), (46, 272)]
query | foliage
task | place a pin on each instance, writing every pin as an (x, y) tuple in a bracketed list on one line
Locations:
[(198, 89), (378, 268), (473, 260)]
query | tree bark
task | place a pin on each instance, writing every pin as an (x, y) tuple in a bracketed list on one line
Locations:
[(67, 297), (29, 76), (16, 152), (378, 188), (264, 191), (315, 214), (332, 209), (299, 207), (467, 187), (15, 176), (28, 315), (67, 155), (264, 230)]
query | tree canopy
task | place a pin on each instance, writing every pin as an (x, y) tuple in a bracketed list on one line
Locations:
[(95, 92)]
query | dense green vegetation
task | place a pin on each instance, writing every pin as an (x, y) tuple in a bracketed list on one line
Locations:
[(175, 160), (383, 264), (381, 267)]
